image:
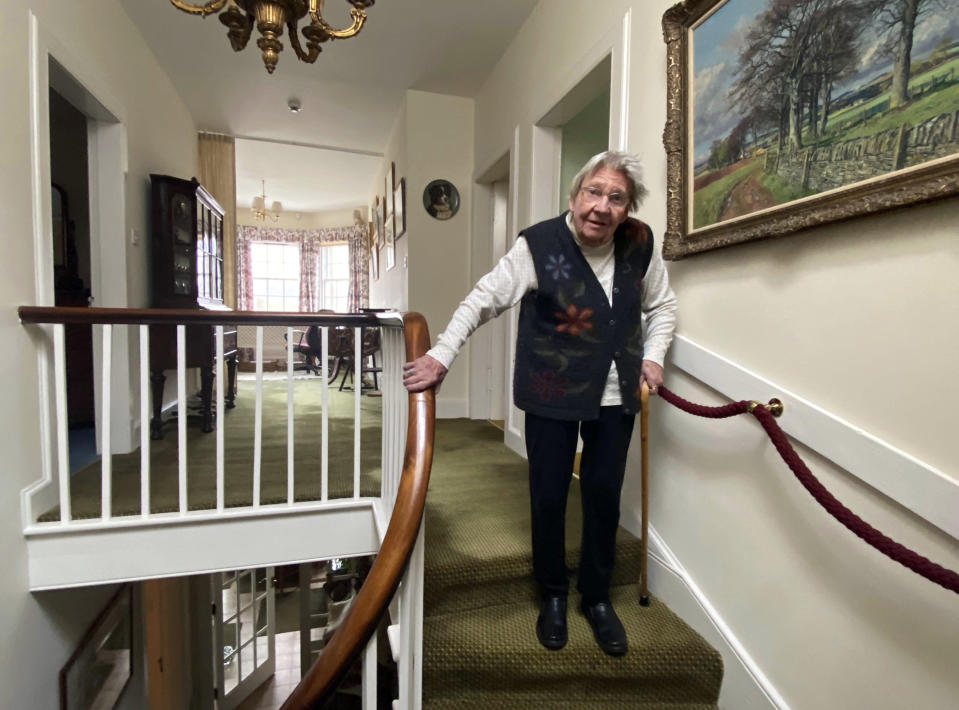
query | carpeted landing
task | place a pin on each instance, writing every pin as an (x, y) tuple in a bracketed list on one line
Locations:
[(479, 644), (238, 455)]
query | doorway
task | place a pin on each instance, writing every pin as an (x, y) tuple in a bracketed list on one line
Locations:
[(488, 360), (80, 151), (70, 219), (244, 626)]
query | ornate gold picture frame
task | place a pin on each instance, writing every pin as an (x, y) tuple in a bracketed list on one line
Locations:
[(862, 146)]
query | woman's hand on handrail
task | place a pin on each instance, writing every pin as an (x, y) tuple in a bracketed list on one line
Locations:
[(422, 373)]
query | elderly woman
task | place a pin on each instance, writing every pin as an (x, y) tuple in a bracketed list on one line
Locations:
[(584, 278)]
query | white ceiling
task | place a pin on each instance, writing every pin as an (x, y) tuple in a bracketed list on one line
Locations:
[(350, 96), (303, 179)]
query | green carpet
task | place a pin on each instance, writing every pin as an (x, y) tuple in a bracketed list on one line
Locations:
[(238, 456), (479, 645)]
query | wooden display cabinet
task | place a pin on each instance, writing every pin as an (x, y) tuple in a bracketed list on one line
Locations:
[(187, 273)]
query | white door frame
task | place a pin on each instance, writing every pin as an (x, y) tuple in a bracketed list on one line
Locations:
[(82, 86), (491, 234), (545, 147)]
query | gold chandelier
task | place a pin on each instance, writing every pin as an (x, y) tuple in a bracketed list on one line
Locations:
[(260, 213), (270, 16)]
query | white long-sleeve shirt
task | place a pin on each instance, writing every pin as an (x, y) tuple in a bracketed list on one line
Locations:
[(515, 275)]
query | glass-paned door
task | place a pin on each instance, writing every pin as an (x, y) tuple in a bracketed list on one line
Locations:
[(244, 625)]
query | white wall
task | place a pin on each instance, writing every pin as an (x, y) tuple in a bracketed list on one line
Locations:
[(303, 220), (95, 40), (390, 290), (439, 130), (858, 318), (431, 139)]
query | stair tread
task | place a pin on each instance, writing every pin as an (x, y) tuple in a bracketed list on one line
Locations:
[(496, 648)]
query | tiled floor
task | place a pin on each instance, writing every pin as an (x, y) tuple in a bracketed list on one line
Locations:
[(273, 692)]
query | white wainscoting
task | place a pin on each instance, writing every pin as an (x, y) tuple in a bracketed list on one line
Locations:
[(745, 686), (924, 490), (921, 488)]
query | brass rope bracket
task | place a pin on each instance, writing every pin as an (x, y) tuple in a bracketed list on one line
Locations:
[(774, 407)]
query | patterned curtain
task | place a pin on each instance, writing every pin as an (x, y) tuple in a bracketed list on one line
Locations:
[(310, 241), (217, 158)]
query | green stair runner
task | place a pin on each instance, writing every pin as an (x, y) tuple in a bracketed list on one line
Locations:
[(480, 605)]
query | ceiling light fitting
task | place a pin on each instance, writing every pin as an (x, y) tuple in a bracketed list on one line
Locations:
[(259, 207), (270, 16)]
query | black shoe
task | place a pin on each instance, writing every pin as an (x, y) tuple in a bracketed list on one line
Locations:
[(551, 624), (607, 628)]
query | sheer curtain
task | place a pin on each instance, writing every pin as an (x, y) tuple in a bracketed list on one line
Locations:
[(310, 242), (217, 158)]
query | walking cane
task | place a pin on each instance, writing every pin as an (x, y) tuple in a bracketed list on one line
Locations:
[(644, 554)]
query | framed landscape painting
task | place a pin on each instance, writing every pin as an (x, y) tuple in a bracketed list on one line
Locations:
[(786, 114)]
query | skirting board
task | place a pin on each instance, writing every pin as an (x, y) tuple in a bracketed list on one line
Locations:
[(744, 687), (448, 408)]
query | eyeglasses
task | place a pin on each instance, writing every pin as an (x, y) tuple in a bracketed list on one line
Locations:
[(593, 195)]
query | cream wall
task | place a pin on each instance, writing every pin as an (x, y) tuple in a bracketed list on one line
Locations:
[(859, 318), (97, 40), (390, 290), (302, 220), (439, 130), (431, 139)]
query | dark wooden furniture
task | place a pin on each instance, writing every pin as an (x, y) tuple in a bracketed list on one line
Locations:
[(187, 269), (70, 290)]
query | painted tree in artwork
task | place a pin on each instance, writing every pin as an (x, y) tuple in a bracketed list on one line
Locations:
[(898, 19), (795, 51), (834, 55)]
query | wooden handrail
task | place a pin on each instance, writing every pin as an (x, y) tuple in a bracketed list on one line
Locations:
[(360, 622), (179, 316)]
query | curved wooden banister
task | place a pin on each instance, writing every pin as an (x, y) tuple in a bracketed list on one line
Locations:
[(178, 316), (360, 621)]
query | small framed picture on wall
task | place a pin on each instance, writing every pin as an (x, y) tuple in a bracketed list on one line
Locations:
[(399, 208), (374, 254), (389, 230), (390, 246)]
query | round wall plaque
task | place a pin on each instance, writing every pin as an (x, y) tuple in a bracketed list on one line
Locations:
[(441, 199)]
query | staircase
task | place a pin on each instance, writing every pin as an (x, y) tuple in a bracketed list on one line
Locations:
[(480, 604)]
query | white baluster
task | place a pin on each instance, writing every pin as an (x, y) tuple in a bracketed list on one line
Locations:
[(220, 421), (385, 418), (357, 392), (106, 470), (411, 629), (258, 421), (63, 445), (289, 416), (369, 674), (325, 415), (181, 411), (145, 420)]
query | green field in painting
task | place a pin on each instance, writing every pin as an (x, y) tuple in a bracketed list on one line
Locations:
[(708, 202)]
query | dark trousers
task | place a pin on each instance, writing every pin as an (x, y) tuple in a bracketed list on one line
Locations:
[(551, 448)]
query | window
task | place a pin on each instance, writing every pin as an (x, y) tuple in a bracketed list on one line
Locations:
[(276, 276), (333, 276)]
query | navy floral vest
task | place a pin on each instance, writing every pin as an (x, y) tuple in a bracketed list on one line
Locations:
[(568, 332)]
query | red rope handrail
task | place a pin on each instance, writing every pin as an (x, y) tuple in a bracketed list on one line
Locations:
[(886, 545)]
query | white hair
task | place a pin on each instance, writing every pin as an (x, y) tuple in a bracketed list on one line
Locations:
[(625, 163)]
